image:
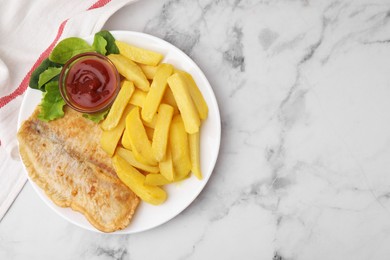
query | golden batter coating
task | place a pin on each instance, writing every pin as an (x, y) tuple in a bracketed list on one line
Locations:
[(64, 158)]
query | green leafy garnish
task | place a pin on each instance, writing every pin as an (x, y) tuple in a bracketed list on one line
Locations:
[(99, 44), (111, 46), (45, 76), (37, 72), (48, 75), (68, 48), (96, 117), (52, 103)]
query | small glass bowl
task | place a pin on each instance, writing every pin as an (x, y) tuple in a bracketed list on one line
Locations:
[(65, 72)]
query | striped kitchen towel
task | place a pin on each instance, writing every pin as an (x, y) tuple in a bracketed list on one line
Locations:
[(29, 30)]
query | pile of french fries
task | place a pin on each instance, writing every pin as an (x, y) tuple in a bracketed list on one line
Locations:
[(152, 128)]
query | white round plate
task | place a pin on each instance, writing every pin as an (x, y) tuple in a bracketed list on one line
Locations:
[(180, 195)]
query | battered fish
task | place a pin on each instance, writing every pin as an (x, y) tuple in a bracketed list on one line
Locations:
[(64, 158)]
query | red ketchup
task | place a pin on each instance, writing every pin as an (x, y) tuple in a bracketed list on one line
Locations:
[(91, 82)]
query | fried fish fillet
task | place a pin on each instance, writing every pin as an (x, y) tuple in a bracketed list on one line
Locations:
[(64, 158)]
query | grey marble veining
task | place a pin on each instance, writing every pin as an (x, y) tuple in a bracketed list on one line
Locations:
[(303, 172)]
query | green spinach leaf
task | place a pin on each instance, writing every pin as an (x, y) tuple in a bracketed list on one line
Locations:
[(99, 44), (46, 63), (111, 46), (68, 48), (48, 75)]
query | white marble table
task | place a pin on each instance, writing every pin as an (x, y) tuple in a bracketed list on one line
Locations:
[(304, 167)]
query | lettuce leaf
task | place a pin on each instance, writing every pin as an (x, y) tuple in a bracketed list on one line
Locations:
[(52, 103), (97, 117)]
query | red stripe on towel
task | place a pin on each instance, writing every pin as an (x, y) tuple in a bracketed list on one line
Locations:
[(23, 85), (98, 4)]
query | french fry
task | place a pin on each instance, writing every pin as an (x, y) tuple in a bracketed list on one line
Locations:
[(119, 105), (161, 131), (129, 157), (169, 99), (148, 70), (149, 132), (196, 96), (156, 92), (195, 154), (178, 142), (151, 124), (138, 98), (130, 71), (166, 166), (125, 141), (135, 180), (152, 131), (140, 144), (180, 91), (109, 139), (156, 179), (139, 55)]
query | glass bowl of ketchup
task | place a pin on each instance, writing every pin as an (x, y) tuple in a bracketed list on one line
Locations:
[(89, 82)]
